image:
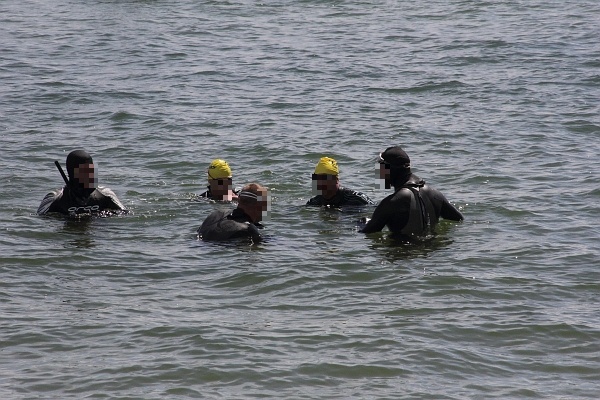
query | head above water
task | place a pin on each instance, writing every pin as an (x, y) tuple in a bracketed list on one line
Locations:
[(76, 158), (219, 169), (81, 171), (327, 166), (255, 201), (325, 179), (395, 157), (220, 181), (395, 164)]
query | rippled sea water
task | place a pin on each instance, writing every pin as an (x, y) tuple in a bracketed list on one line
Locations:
[(497, 104)]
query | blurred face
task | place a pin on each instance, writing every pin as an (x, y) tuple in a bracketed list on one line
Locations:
[(85, 174), (258, 209), (325, 185), (221, 187), (384, 175), (265, 204)]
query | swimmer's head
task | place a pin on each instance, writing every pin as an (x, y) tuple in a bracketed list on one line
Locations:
[(325, 179), (219, 169), (394, 165), (255, 200), (220, 181), (81, 171), (395, 157), (327, 166)]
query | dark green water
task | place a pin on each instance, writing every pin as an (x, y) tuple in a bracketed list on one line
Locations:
[(496, 104)]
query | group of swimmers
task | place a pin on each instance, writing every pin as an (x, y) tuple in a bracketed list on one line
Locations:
[(414, 208)]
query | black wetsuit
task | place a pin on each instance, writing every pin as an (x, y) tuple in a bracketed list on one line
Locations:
[(208, 194), (414, 208), (65, 201), (343, 197), (221, 225)]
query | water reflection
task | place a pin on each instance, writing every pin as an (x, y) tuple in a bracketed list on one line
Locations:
[(403, 247), (241, 243), (79, 229)]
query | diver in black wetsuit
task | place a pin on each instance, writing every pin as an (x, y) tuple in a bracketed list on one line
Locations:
[(243, 221), (80, 196), (414, 207), (326, 184)]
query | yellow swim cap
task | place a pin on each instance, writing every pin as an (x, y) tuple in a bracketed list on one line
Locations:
[(219, 169), (327, 166)]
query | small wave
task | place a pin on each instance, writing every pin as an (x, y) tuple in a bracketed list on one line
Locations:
[(582, 126), (121, 116), (422, 88)]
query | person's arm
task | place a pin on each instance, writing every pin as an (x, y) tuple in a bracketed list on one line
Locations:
[(315, 201), (450, 212), (447, 210), (254, 233), (379, 218), (358, 198), (116, 203), (47, 201)]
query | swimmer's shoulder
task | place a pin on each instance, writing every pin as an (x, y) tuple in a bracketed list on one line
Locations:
[(46, 204)]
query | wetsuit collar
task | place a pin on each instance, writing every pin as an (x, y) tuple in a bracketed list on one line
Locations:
[(412, 181), (240, 216), (337, 194), (77, 192)]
